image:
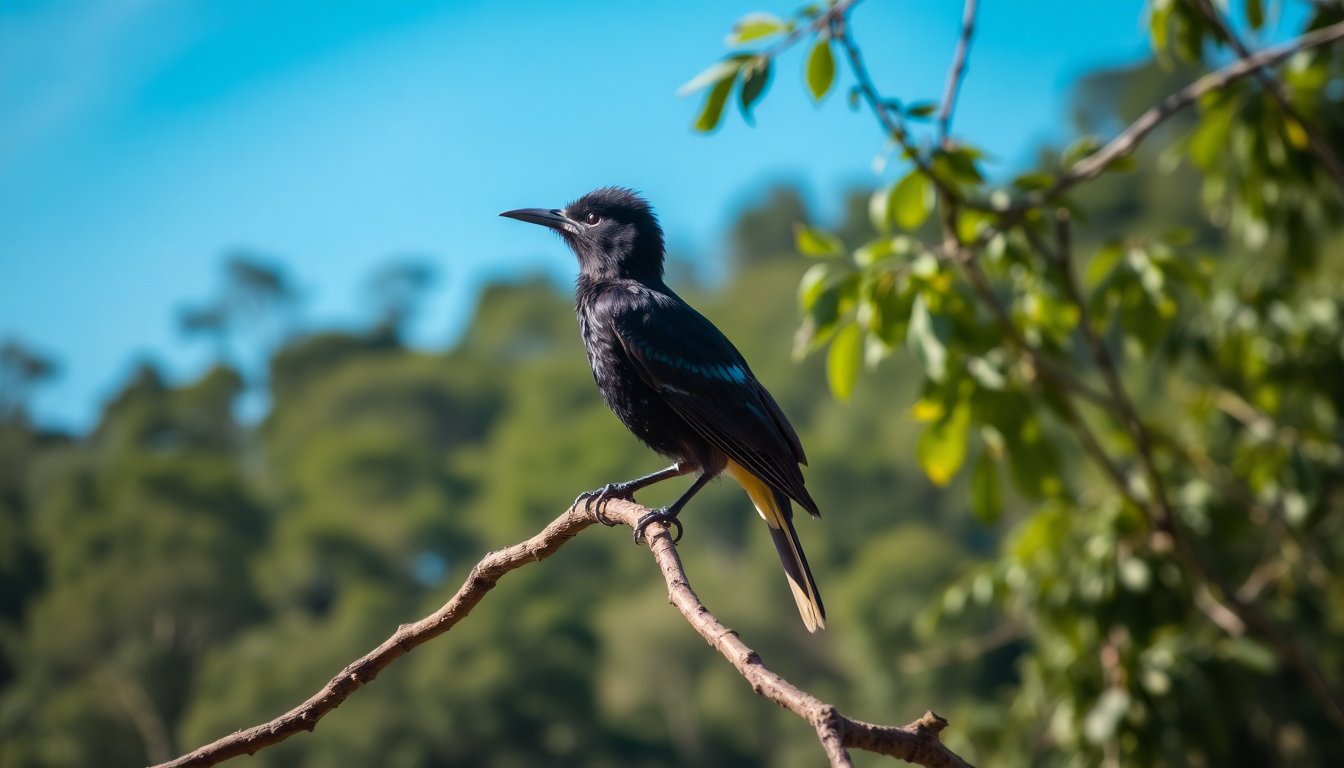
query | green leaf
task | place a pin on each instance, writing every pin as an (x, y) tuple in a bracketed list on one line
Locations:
[(1255, 14), (958, 164), (1104, 263), (921, 109), (816, 243), (820, 67), (986, 490), (874, 251), (941, 449), (877, 211), (1033, 460), (712, 111), (1158, 21), (970, 223), (717, 72), (1105, 716), (755, 26), (910, 201), (1249, 653), (926, 341), (755, 77), (843, 360), (1034, 180), (1208, 143), (813, 284)]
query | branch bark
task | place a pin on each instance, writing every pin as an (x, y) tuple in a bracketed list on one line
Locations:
[(1319, 146), (1129, 139), (917, 742), (957, 73)]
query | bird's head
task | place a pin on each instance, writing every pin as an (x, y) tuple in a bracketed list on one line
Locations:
[(612, 230)]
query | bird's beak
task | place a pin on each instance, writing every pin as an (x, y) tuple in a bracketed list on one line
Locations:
[(553, 218)]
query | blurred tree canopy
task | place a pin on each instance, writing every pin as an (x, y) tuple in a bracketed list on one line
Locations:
[(996, 546)]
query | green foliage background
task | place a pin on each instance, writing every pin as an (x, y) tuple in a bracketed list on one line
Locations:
[(175, 574)]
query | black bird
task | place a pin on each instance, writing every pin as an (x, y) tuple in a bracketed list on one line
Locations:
[(675, 381)]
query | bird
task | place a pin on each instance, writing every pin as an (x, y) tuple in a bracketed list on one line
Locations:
[(675, 381)]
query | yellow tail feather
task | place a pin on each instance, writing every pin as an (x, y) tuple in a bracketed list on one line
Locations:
[(774, 511)]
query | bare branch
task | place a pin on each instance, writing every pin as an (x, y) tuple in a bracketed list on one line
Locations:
[(957, 73), (1129, 139), (917, 742), (1319, 146), (480, 581), (891, 120), (820, 22)]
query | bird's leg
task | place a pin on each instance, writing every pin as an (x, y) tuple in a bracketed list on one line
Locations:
[(668, 515), (626, 490)]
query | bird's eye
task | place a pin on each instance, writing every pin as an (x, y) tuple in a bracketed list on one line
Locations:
[(591, 219)]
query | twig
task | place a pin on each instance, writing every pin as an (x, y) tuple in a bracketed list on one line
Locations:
[(1101, 355), (480, 581), (1318, 146), (917, 742), (818, 23), (957, 73), (1129, 139), (891, 122)]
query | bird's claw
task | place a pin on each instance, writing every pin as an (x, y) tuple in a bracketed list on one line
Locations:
[(663, 516), (595, 501)]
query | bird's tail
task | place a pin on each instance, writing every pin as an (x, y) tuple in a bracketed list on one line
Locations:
[(774, 508)]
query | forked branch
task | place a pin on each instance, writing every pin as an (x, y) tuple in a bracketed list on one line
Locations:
[(916, 743)]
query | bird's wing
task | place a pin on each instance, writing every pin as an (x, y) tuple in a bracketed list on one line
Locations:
[(699, 373)]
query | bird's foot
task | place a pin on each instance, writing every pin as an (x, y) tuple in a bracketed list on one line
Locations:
[(596, 501), (665, 516)]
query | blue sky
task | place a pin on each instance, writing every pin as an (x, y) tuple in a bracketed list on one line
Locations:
[(141, 139)]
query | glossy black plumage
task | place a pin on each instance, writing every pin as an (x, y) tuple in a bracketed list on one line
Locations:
[(674, 379)]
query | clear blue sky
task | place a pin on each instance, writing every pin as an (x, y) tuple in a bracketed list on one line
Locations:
[(141, 139)]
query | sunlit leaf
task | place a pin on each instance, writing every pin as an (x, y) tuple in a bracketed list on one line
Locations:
[(1100, 724), (712, 111), (816, 243), (873, 251), (941, 448), (927, 340), (813, 283), (877, 211), (717, 72), (910, 201), (820, 68), (755, 26), (844, 360), (1159, 18)]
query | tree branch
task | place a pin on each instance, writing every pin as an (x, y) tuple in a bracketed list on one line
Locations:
[(1128, 140), (957, 73), (1318, 146), (916, 743)]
